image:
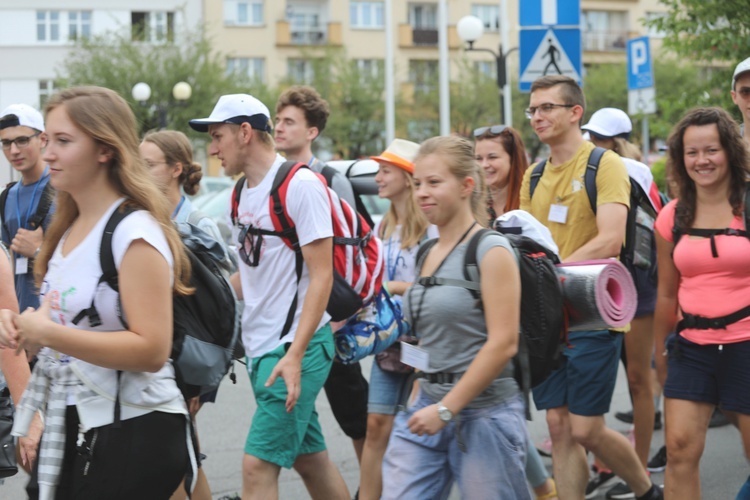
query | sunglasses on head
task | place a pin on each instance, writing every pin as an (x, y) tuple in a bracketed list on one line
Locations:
[(493, 130)]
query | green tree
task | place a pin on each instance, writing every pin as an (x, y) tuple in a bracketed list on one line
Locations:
[(475, 100), (114, 61)]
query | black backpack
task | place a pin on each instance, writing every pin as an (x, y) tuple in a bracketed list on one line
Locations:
[(42, 208), (639, 245), (206, 324), (543, 323)]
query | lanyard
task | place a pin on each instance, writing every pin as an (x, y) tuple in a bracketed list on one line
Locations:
[(22, 223), (392, 268), (312, 160), (179, 206)]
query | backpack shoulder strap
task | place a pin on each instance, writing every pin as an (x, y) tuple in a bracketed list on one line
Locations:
[(536, 174), (277, 200), (236, 195), (471, 262), (43, 206), (4, 199), (589, 178), (422, 252)]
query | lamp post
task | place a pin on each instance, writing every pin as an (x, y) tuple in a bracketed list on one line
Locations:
[(470, 29), (181, 92)]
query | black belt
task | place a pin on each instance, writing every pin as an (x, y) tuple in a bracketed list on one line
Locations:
[(703, 323), (440, 377)]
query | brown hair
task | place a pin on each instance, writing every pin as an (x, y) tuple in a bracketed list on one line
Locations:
[(570, 92), (177, 149), (458, 154), (511, 141), (105, 117), (738, 161), (306, 98)]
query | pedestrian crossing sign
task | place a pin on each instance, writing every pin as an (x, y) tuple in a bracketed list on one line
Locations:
[(549, 52)]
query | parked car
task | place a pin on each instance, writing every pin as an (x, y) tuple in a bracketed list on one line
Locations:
[(361, 173)]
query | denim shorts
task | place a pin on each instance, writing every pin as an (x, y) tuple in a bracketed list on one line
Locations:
[(715, 374), (585, 380), (386, 390), (278, 436), (491, 467)]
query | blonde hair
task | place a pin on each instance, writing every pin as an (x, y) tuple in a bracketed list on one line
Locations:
[(415, 224), (105, 116), (458, 154), (177, 149), (626, 149)]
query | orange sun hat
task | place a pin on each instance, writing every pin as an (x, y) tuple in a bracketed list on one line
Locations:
[(400, 153)]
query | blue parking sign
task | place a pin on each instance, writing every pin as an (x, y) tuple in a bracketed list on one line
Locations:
[(640, 69)]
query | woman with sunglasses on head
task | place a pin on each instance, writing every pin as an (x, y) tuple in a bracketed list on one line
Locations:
[(402, 229), (704, 257), (502, 155), (467, 423), (107, 389), (169, 158)]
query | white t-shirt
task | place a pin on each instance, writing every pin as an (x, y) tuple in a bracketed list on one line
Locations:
[(70, 283), (269, 288), (400, 263)]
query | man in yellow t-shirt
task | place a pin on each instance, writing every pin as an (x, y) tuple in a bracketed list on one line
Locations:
[(578, 394)]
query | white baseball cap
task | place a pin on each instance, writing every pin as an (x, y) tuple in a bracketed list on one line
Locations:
[(21, 115), (610, 122), (741, 68), (237, 109)]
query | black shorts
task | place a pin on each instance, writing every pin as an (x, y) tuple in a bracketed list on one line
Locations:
[(346, 389), (145, 458)]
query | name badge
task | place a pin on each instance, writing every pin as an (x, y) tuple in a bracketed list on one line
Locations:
[(22, 265), (558, 213), (415, 356)]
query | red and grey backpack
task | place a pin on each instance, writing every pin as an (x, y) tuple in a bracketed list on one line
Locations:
[(357, 253)]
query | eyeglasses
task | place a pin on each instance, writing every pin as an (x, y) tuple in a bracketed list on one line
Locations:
[(250, 242), (21, 142), (493, 130), (544, 109)]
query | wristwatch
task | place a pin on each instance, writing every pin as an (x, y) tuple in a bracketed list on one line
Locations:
[(444, 413)]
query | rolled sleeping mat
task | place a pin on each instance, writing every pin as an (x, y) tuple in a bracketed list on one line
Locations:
[(599, 294)]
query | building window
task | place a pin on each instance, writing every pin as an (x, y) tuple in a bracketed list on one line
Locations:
[(366, 14), (243, 12), (424, 75), (48, 25), (156, 26), (604, 30), (489, 14), (46, 90), (653, 31), (252, 67), (486, 68), (423, 16), (79, 24), (300, 70), (369, 69)]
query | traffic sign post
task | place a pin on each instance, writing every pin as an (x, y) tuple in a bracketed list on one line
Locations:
[(641, 88), (550, 40)]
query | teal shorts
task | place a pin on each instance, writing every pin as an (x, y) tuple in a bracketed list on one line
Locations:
[(275, 435)]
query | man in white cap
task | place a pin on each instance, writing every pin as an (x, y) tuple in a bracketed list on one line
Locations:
[(25, 205), (301, 116), (741, 95), (286, 372)]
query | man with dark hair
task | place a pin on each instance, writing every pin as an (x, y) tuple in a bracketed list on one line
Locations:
[(578, 393), (22, 135), (301, 116)]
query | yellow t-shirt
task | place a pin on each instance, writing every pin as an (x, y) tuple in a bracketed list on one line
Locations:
[(564, 185)]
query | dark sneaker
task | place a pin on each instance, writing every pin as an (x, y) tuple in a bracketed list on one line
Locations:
[(718, 419), (657, 493), (599, 482), (620, 491), (659, 461), (627, 417)]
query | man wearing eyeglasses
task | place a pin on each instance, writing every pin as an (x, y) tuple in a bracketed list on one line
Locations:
[(287, 366), (741, 95), (22, 135), (578, 393)]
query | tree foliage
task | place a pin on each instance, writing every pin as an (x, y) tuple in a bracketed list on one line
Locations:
[(114, 61)]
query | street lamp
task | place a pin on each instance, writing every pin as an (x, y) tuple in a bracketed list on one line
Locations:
[(470, 29), (181, 92)]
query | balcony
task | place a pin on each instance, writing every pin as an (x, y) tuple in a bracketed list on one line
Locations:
[(411, 37), (604, 41), (307, 35)]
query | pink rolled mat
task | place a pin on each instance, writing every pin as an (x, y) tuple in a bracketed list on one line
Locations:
[(599, 294)]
